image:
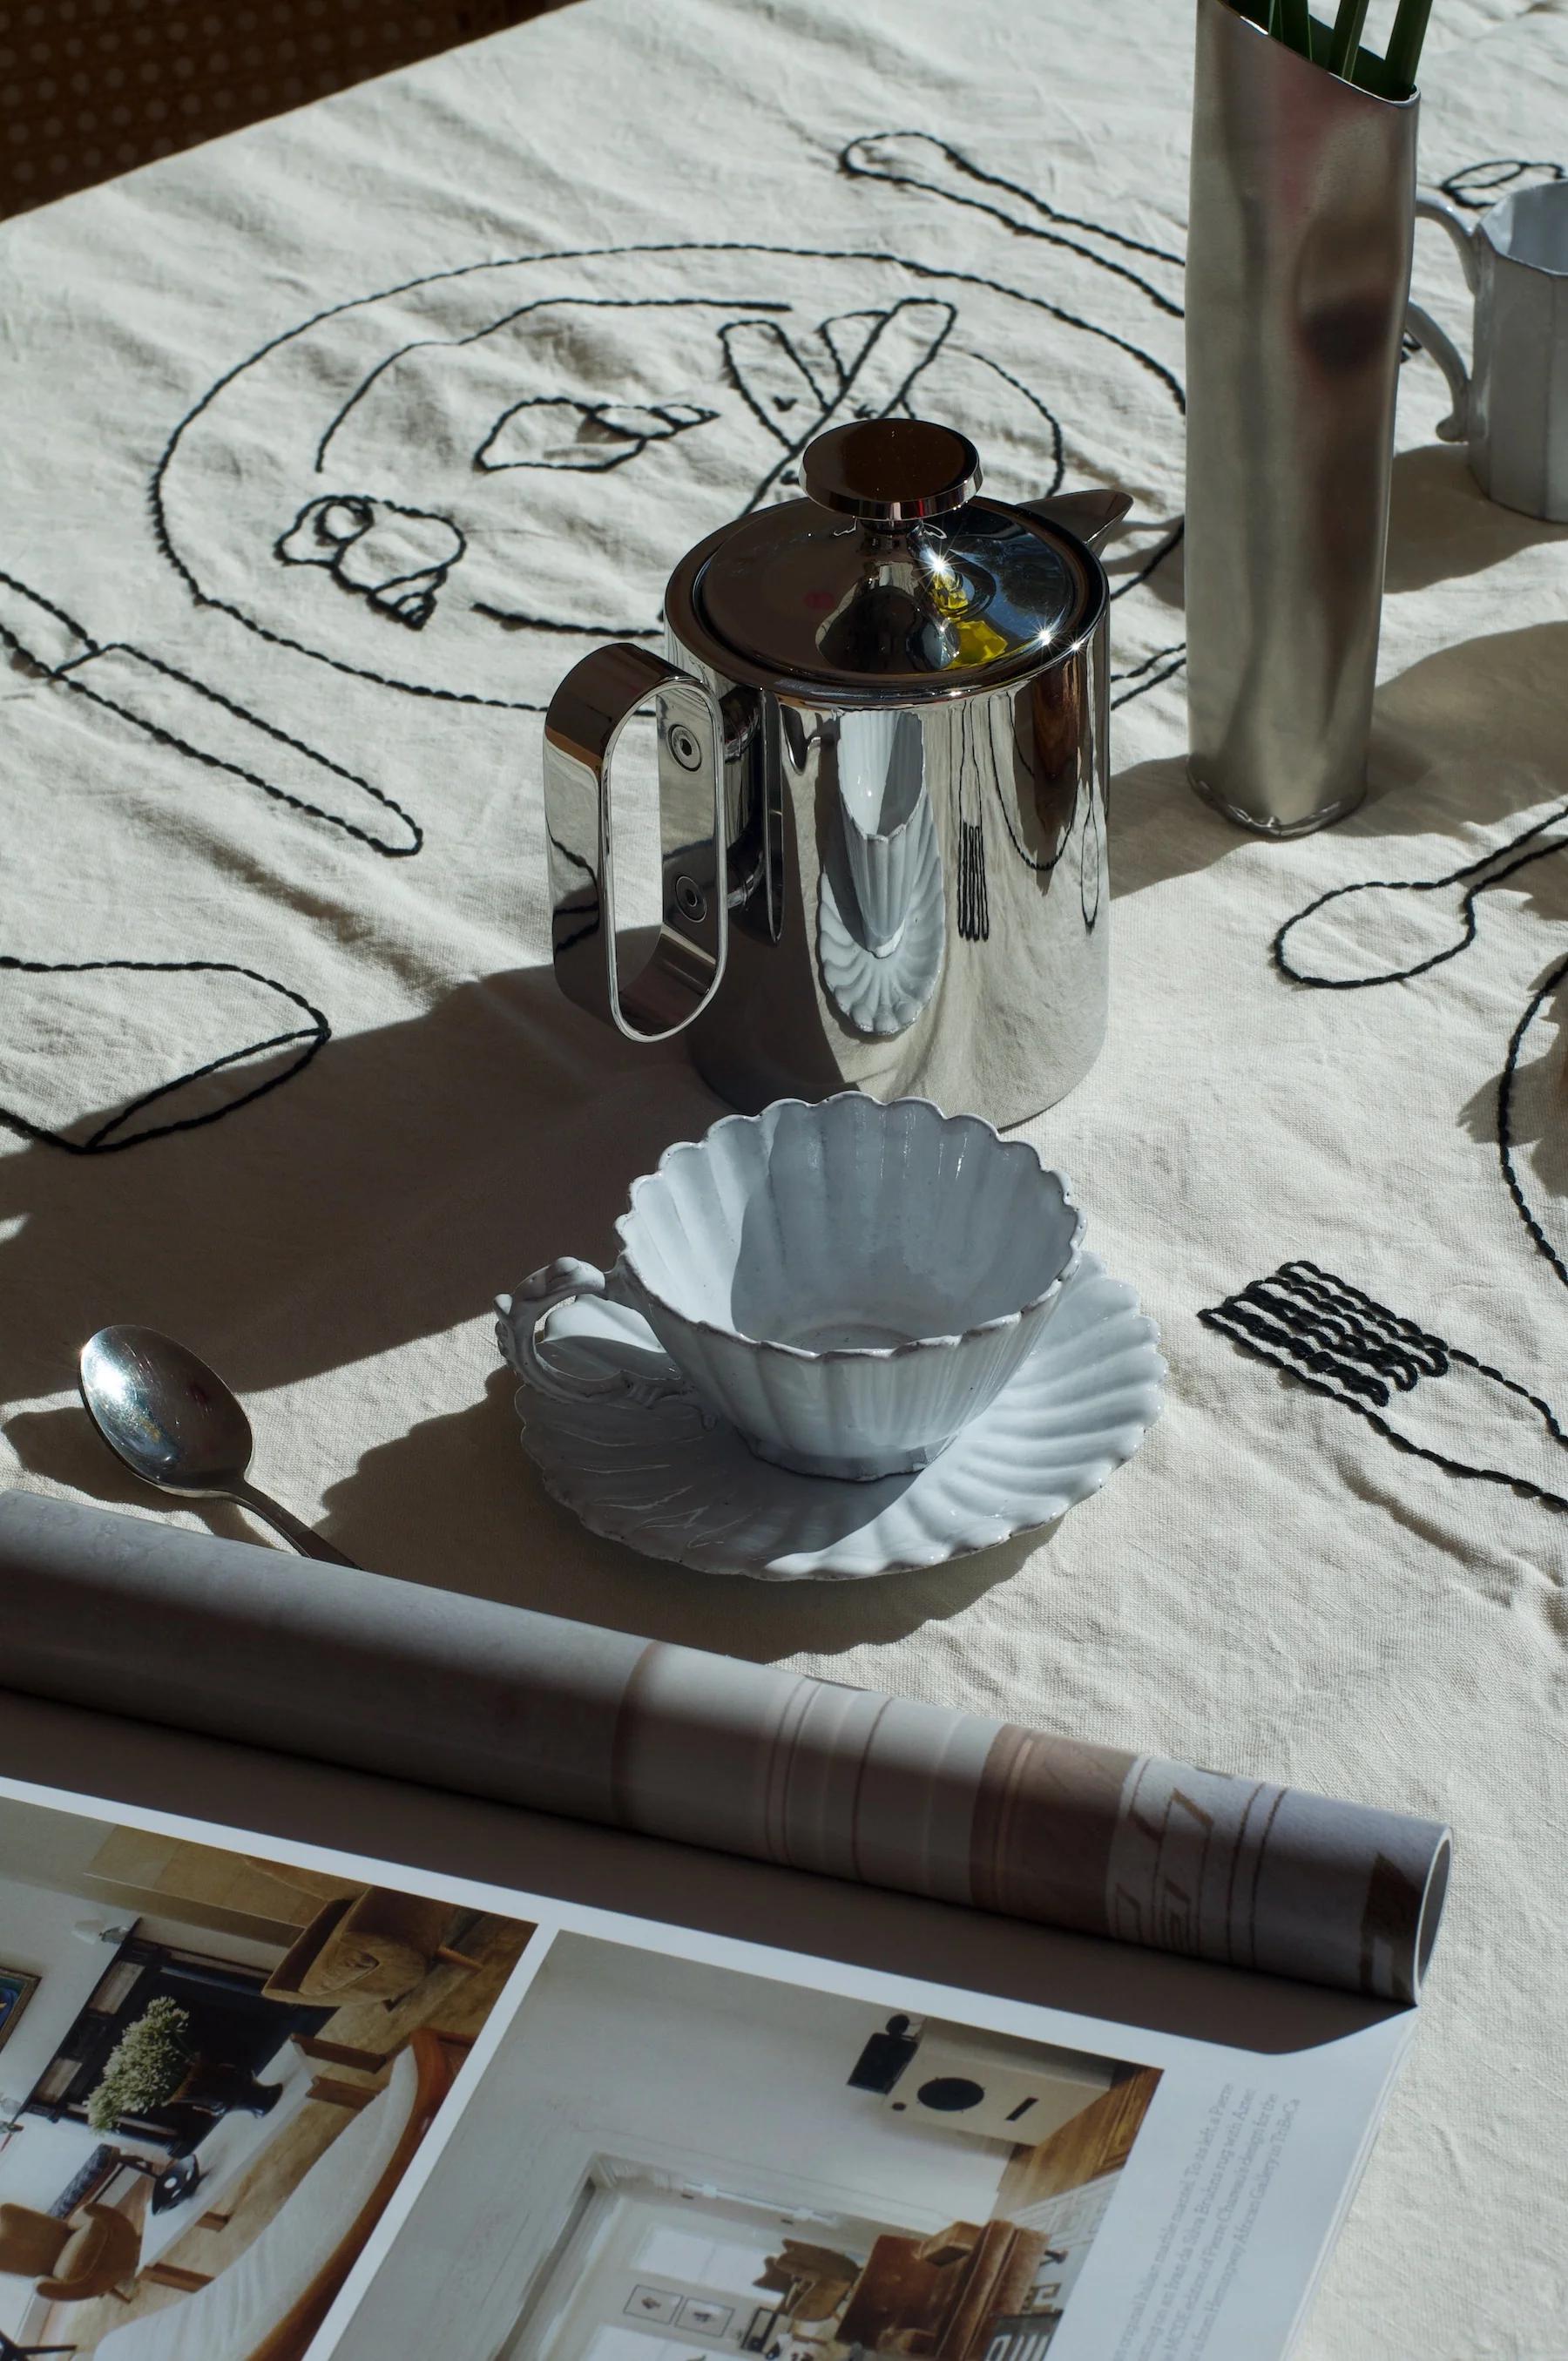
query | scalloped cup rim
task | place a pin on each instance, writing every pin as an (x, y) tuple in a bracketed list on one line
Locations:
[(858, 1353)]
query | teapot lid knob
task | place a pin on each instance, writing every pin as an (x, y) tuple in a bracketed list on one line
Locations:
[(891, 472)]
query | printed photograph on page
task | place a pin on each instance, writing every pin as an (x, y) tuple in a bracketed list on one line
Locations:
[(216, 2071), (670, 2161)]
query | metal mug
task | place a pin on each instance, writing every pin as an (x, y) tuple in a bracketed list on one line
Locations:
[(882, 751), (1511, 406)]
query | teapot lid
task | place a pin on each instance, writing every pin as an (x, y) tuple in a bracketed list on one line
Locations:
[(892, 578)]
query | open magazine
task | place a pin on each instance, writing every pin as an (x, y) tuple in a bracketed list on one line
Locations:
[(300, 2056)]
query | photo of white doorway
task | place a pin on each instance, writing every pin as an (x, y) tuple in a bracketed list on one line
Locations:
[(668, 2160)]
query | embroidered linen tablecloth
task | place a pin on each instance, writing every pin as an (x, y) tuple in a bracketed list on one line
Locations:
[(324, 449)]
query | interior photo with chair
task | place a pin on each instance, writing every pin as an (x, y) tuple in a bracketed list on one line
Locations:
[(214, 2071), (668, 2160)]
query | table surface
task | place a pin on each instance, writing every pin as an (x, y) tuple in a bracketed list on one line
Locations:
[(222, 754)]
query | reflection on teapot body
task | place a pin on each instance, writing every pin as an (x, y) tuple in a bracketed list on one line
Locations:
[(1047, 773), (882, 749), (886, 819)]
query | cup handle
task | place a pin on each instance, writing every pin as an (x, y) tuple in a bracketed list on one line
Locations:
[(1420, 325), (523, 1315)]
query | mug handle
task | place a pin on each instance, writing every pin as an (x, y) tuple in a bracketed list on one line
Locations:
[(1435, 340), (523, 1315), (584, 718)]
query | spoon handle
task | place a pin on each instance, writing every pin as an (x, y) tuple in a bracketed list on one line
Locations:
[(300, 1536)]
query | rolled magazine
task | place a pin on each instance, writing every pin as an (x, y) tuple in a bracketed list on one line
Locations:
[(134, 1618)]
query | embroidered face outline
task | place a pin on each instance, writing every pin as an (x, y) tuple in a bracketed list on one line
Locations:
[(396, 557)]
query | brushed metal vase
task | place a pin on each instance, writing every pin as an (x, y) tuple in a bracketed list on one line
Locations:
[(1297, 276)]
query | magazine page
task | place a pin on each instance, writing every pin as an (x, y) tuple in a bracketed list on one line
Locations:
[(493, 1700), (679, 2151), (220, 2065), (271, 2097)]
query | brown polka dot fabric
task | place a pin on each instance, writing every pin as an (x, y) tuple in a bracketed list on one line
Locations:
[(89, 88)]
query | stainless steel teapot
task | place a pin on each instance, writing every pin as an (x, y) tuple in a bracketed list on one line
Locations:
[(882, 760)]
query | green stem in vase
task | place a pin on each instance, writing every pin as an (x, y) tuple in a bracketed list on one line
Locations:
[(1405, 45), (1339, 46), (1290, 21), (1345, 44)]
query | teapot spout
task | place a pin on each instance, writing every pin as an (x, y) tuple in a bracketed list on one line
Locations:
[(1091, 516)]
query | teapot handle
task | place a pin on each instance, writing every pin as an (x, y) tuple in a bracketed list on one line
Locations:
[(586, 717)]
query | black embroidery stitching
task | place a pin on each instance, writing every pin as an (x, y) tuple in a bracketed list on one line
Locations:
[(65, 674), (280, 795), (843, 366), (991, 180), (517, 618), (492, 327), (1467, 188), (1058, 455), (1148, 676), (90, 646), (1016, 188), (736, 378), (857, 170), (1157, 556), (1422, 885), (1494, 876), (1134, 671), (1506, 1080), (838, 321), (1460, 185), (1302, 1319), (163, 536), (102, 1142), (786, 469), (635, 444), (1172, 540), (371, 503)]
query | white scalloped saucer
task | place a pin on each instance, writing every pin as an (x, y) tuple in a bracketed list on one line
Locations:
[(672, 1483)]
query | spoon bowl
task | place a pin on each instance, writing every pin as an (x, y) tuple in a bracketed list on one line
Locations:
[(172, 1420), (176, 1425)]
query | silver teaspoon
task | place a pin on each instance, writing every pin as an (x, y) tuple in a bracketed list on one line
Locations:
[(176, 1425)]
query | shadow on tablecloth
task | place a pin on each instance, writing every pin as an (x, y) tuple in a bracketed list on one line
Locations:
[(381, 1199), (1464, 739), (1443, 526)]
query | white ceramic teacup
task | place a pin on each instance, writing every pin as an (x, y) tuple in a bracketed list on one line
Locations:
[(848, 1284)]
